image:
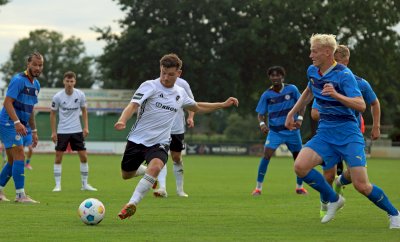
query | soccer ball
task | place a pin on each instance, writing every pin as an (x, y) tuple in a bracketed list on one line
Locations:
[(91, 211)]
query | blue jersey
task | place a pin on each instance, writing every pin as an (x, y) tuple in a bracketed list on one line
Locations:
[(337, 123), (25, 94), (278, 105), (366, 91)]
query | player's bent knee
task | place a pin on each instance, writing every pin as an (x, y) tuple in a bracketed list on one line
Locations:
[(363, 188)]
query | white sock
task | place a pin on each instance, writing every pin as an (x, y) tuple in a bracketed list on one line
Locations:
[(20, 193), (162, 177), (178, 171), (142, 188), (57, 174), (337, 180), (259, 185), (84, 173), (141, 170)]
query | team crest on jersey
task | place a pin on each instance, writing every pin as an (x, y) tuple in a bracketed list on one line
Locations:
[(287, 97), (177, 98), (17, 137)]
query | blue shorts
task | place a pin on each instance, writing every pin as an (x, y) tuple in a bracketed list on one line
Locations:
[(292, 140), (352, 153), (27, 139), (9, 136)]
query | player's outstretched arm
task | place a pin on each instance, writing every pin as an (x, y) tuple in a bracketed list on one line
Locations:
[(126, 115), (205, 107)]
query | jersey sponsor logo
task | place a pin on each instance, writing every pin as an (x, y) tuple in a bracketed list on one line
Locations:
[(160, 105), (69, 109), (138, 96)]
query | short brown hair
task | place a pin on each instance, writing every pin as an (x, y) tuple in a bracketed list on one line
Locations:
[(343, 51), (171, 60), (69, 74), (34, 54)]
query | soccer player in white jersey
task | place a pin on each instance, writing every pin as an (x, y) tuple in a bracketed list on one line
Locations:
[(69, 103), (176, 147), (156, 103)]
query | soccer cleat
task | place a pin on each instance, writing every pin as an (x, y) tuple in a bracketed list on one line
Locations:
[(57, 188), (322, 211), (88, 187), (332, 208), (3, 197), (28, 166), (301, 191), (25, 199), (394, 221), (256, 192), (160, 192), (337, 188), (127, 211), (182, 194)]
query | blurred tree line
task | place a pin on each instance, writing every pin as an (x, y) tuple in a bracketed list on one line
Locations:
[(227, 45)]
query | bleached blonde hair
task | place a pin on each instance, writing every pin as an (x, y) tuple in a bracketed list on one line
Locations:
[(326, 40)]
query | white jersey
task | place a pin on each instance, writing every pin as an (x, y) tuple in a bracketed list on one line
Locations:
[(69, 109), (179, 123), (158, 109)]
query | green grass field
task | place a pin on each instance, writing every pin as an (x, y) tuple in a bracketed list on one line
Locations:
[(219, 207)]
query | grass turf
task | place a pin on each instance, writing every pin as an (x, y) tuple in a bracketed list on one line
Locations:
[(219, 208)]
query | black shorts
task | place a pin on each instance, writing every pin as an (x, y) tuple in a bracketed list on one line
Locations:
[(135, 154), (177, 142), (76, 141)]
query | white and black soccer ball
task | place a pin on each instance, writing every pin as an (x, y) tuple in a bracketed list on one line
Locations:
[(91, 211)]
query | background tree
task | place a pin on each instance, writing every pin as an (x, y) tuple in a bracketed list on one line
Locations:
[(60, 56), (227, 45)]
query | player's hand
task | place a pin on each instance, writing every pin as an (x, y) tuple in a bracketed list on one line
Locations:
[(230, 101), (375, 133), (20, 129), (54, 138), (264, 129), (119, 125), (329, 90), (85, 132), (35, 139), (290, 124), (190, 122), (298, 123)]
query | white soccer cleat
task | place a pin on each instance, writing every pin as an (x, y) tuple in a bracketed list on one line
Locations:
[(57, 189), (395, 222), (88, 187), (332, 209), (160, 192), (182, 194), (25, 199), (3, 197)]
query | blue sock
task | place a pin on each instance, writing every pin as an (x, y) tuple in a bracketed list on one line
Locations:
[(28, 161), (299, 181), (6, 174), (315, 180), (18, 174), (380, 199), (262, 169), (343, 180)]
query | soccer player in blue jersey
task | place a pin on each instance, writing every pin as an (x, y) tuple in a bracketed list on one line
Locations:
[(338, 136), (276, 102), (20, 99), (342, 56)]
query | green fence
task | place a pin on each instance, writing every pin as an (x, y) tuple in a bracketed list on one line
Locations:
[(101, 127)]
